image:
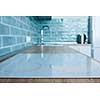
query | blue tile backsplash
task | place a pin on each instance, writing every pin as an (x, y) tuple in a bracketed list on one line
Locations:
[(66, 29), (14, 31)]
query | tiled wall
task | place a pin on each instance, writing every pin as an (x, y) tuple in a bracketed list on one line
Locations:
[(16, 32), (66, 29)]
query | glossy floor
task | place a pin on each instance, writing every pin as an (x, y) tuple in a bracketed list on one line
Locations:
[(50, 62)]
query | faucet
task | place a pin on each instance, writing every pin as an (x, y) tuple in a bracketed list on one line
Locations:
[(42, 44), (42, 37), (43, 30)]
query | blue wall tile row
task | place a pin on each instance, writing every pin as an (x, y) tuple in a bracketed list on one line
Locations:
[(7, 41), (9, 20), (13, 33)]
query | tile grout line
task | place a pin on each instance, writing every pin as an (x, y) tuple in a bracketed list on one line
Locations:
[(16, 27)]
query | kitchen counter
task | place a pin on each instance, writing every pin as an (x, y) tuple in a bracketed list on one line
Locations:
[(53, 62)]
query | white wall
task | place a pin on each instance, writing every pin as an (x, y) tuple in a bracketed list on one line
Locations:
[(96, 37)]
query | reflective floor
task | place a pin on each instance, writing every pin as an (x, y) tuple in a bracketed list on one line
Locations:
[(50, 62)]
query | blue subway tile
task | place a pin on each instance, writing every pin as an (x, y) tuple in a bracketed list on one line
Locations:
[(23, 19), (4, 30), (15, 31), (21, 39), (4, 51), (7, 40), (9, 20), (22, 32)]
